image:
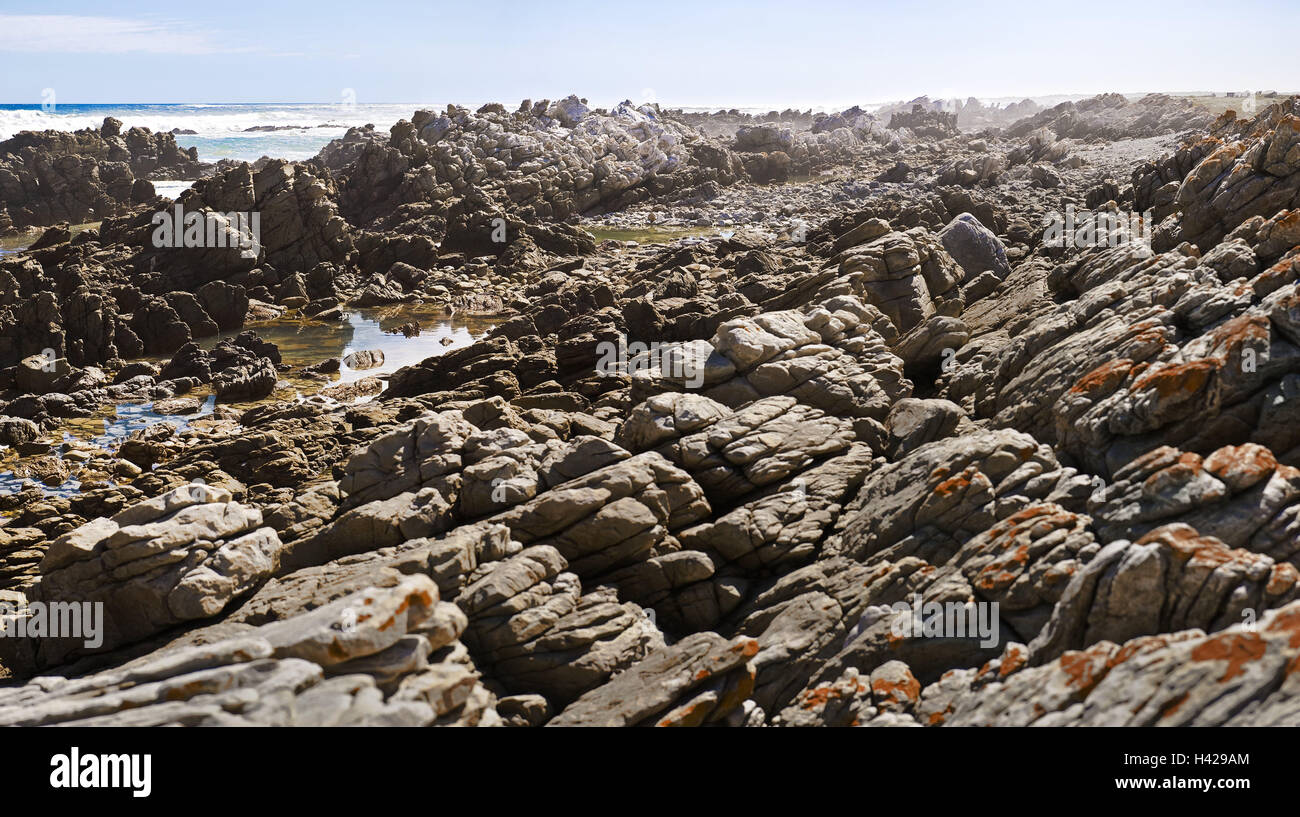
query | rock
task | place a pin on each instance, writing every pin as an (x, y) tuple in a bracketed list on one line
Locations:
[(362, 680), (1187, 678), (1095, 607), (15, 431), (181, 556), (711, 477), (351, 392), (247, 382), (356, 626), (702, 679), (367, 359), (226, 303), (1263, 162), (901, 274), (158, 326), (1045, 176), (39, 374), (912, 423), (178, 405), (535, 627), (54, 176), (974, 248)]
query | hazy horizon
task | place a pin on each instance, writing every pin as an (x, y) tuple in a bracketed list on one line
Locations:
[(824, 53), (835, 106)]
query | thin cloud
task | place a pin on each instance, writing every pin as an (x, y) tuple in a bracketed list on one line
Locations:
[(73, 34)]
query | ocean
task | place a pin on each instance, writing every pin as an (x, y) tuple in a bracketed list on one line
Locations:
[(221, 131)]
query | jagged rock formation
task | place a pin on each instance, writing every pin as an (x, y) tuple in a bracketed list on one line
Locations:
[(54, 176), (922, 122), (1109, 116)]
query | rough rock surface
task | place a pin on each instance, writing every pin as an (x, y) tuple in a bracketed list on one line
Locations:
[(876, 453), (52, 176)]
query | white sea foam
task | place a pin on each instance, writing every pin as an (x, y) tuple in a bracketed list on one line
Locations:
[(221, 131), (171, 188), (205, 120)]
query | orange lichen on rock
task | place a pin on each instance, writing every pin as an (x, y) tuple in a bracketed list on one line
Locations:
[(692, 714), (1281, 579), (747, 648), (1235, 648), (1084, 669), (897, 691), (1240, 329), (818, 696), (1004, 570), (1137, 646), (956, 483), (1287, 621), (1011, 527), (1014, 660), (740, 685), (421, 596), (1189, 546), (1105, 378), (995, 581), (1179, 379), (1170, 479), (1241, 466)]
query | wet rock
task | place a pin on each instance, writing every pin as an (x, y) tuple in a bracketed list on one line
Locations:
[(17, 430), (178, 405), (351, 392), (40, 374), (367, 359), (226, 303), (247, 382)]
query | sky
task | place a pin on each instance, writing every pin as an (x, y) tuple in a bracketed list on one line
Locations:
[(791, 53)]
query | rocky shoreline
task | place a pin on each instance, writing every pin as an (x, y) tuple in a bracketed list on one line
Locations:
[(852, 375)]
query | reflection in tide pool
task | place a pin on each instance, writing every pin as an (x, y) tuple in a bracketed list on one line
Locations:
[(301, 343), (129, 418), (13, 244), (106, 433)]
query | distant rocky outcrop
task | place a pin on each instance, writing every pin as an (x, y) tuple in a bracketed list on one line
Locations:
[(49, 177)]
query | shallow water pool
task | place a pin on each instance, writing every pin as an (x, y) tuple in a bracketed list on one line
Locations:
[(301, 343)]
